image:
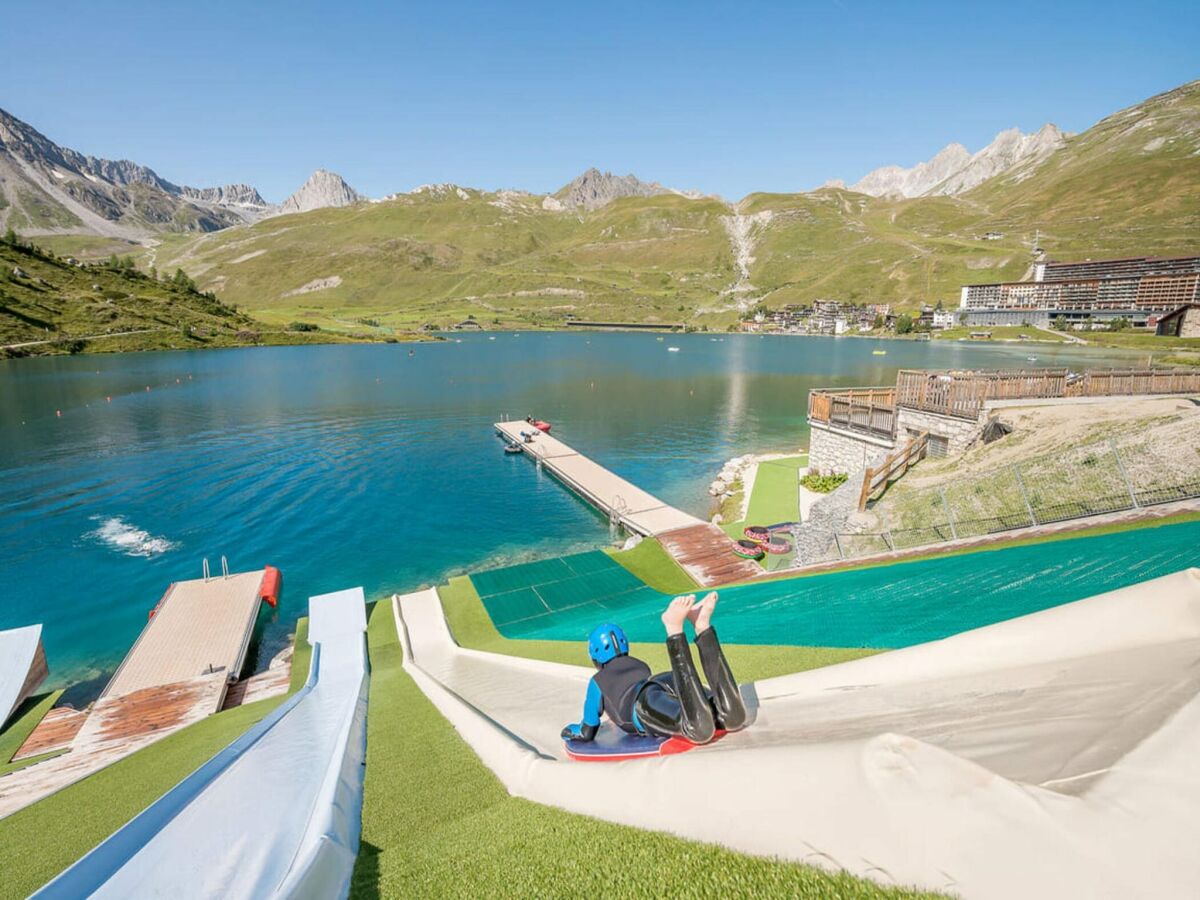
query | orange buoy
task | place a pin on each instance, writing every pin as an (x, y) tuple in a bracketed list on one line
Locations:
[(272, 585)]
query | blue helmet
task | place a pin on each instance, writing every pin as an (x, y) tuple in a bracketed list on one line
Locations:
[(607, 642)]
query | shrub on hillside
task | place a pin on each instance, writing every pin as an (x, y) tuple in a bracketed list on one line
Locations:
[(823, 484)]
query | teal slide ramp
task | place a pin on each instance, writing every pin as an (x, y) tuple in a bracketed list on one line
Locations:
[(880, 607)]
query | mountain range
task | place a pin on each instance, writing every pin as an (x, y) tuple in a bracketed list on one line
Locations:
[(614, 246), (955, 170), (49, 189)]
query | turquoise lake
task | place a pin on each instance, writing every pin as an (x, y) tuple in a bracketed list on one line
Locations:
[(365, 465)]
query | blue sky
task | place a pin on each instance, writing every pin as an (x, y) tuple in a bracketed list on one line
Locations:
[(724, 97)]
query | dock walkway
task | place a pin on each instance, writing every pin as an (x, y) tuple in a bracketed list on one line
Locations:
[(637, 510), (200, 627)]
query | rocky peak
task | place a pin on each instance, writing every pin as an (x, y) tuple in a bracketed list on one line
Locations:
[(955, 169), (895, 181), (1009, 148), (323, 189), (239, 195), (594, 189)]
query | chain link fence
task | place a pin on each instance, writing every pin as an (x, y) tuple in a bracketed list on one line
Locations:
[(1159, 465)]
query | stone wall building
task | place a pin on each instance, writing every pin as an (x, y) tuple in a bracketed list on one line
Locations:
[(854, 429), (1183, 322)]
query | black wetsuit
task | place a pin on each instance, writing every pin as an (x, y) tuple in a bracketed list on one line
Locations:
[(674, 703), (619, 681)]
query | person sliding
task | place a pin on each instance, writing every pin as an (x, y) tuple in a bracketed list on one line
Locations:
[(671, 704)]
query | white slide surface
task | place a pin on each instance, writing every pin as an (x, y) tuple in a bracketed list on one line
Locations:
[(1057, 754), (18, 653), (275, 814)]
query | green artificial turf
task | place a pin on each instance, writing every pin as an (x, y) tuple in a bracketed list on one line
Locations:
[(775, 496), (472, 628), (437, 823), (23, 721), (650, 562), (301, 656)]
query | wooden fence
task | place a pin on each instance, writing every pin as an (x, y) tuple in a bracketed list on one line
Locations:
[(1126, 382), (867, 410), (893, 466), (963, 394)]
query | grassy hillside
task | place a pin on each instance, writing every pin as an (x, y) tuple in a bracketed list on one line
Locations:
[(1127, 186), (50, 306), (437, 257)]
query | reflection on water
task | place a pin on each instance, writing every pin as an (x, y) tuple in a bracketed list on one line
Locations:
[(348, 465)]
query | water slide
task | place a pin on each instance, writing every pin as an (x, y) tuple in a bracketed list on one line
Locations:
[(1046, 756), (277, 813), (22, 667)]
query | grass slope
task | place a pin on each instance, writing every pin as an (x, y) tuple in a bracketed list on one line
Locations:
[(436, 257), (75, 309), (649, 561), (21, 725), (437, 823), (775, 496)]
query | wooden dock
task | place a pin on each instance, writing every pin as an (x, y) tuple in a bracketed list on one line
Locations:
[(200, 627), (703, 550), (177, 672), (640, 512)]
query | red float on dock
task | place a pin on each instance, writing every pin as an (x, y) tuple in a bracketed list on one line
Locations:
[(272, 586)]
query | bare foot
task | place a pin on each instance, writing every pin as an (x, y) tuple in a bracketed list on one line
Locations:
[(694, 612), (676, 613), (702, 619)]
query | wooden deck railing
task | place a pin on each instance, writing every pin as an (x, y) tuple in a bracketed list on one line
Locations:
[(866, 410), (1126, 382), (893, 466), (963, 394)]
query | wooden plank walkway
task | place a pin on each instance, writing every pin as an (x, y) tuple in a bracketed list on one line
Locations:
[(705, 552), (640, 512), (54, 732), (114, 728), (271, 683)]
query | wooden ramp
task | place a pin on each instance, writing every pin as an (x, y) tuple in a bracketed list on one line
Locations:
[(55, 732), (704, 551), (640, 512)]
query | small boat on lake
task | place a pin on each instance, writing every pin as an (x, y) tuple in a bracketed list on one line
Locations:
[(879, 352), (672, 349)]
